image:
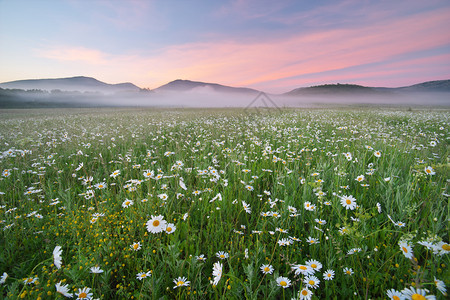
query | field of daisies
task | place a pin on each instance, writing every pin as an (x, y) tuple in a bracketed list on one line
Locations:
[(224, 204)]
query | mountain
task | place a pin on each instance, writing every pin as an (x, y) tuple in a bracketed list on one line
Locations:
[(429, 86), (79, 83), (333, 89), (202, 87), (438, 86)]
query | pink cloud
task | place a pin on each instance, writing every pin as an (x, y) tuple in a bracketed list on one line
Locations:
[(81, 54), (274, 62)]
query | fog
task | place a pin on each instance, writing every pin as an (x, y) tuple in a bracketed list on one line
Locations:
[(193, 99), (209, 98)]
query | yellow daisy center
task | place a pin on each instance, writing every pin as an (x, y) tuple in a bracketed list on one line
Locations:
[(180, 283), (348, 272), (127, 202), (222, 256), (311, 282), (82, 295), (266, 269), (135, 246), (348, 202), (418, 297), (144, 275), (328, 275), (396, 297), (404, 249), (313, 266), (156, 223), (29, 279), (446, 247), (168, 229), (304, 292), (283, 283), (303, 268)]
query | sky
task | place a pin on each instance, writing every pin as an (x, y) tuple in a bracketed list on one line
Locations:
[(274, 46)]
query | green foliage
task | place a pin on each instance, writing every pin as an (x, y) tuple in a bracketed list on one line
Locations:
[(60, 188)]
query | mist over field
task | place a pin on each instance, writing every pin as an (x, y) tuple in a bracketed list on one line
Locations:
[(89, 92)]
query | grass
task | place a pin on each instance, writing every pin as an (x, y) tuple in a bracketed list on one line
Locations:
[(225, 180)]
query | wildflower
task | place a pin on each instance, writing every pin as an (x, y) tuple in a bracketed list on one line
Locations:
[(406, 249), (180, 281), (360, 178), (284, 242), (246, 207), (320, 221), (249, 188), (302, 269), (136, 246), (170, 228), (266, 269), (377, 153), (305, 294), (84, 293), (222, 255), (96, 270), (127, 203), (328, 274), (30, 280), (100, 185), (429, 170), (379, 207), (3, 278), (143, 275), (441, 248), (115, 174), (314, 264), (57, 260), (353, 251), (200, 257), (63, 289), (266, 214), (348, 202), (399, 224), (440, 285), (6, 173), (149, 173), (156, 224), (311, 281), (311, 240), (394, 294), (284, 282), (217, 273), (274, 214), (309, 206), (413, 294), (348, 271)]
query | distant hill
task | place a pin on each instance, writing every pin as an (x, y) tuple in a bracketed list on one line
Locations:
[(79, 84), (429, 86), (332, 89), (438, 86), (187, 85)]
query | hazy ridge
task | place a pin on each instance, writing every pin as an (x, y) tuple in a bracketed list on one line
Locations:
[(83, 91)]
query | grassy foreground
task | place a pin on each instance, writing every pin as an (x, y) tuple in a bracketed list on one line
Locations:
[(224, 204)]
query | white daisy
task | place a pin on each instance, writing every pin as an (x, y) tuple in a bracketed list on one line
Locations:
[(156, 224)]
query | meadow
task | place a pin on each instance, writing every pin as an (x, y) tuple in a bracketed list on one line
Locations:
[(224, 204)]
